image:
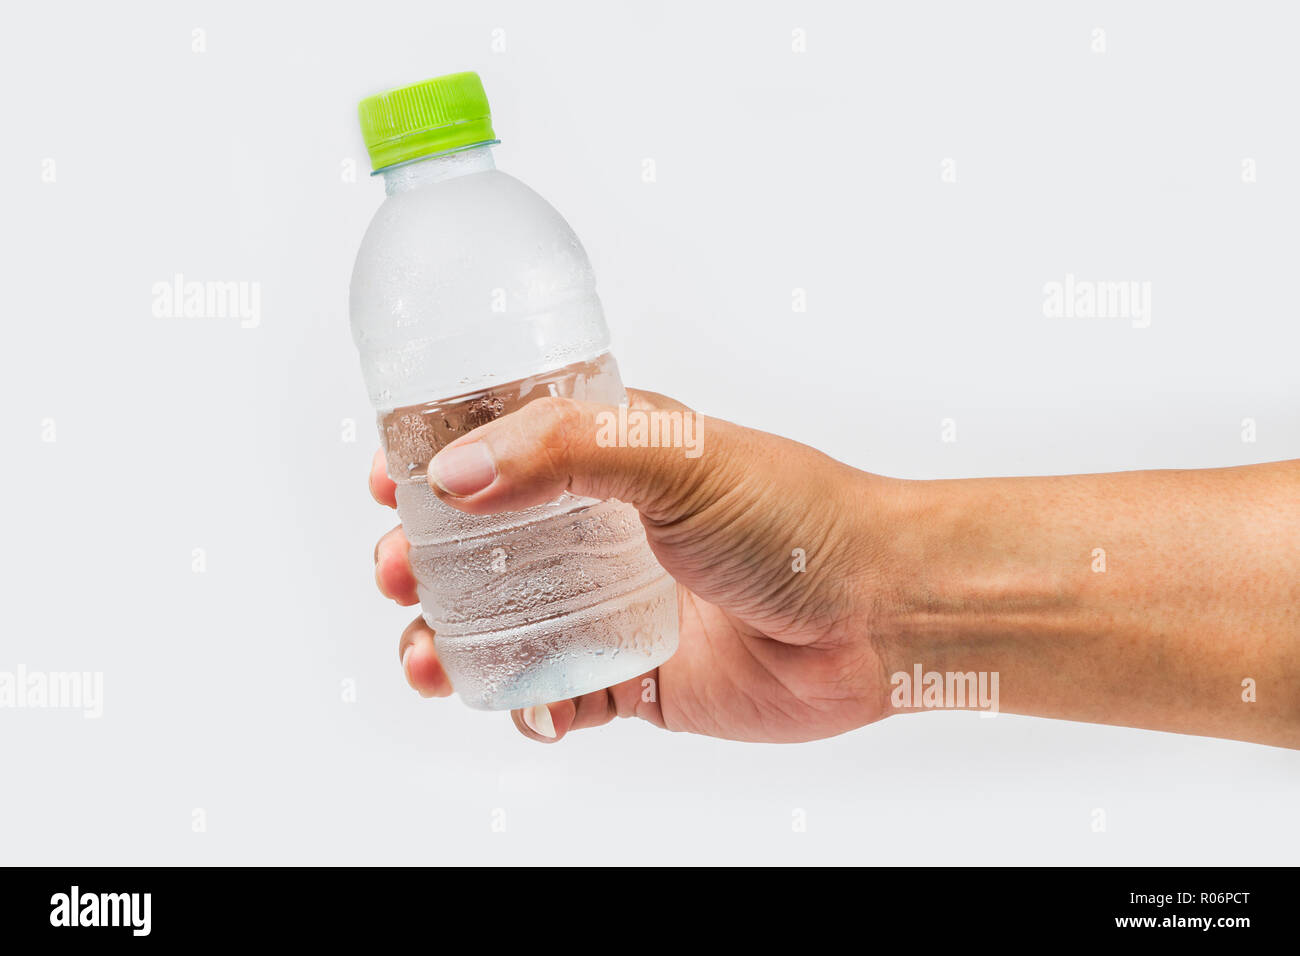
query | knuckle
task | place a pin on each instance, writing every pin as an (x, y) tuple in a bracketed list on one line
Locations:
[(554, 426), (555, 417)]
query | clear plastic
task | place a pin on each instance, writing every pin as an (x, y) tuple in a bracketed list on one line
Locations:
[(470, 297)]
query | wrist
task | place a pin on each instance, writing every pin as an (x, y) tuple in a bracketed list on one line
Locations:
[(966, 598)]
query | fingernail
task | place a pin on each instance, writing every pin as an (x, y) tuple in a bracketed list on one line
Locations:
[(539, 721), (406, 663), (463, 470)]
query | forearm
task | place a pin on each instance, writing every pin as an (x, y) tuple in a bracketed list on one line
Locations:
[(1143, 598)]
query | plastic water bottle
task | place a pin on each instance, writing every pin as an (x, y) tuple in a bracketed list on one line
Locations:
[(471, 296)]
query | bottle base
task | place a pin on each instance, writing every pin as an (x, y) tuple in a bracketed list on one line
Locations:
[(567, 656)]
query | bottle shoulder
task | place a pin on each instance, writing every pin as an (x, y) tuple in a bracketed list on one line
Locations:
[(487, 206), (456, 241), (470, 280)]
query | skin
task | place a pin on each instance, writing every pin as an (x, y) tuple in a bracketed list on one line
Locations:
[(1199, 590)]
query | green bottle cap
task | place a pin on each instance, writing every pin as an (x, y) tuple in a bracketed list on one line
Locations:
[(436, 116)]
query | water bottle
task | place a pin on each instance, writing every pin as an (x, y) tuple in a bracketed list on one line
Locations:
[(470, 297)]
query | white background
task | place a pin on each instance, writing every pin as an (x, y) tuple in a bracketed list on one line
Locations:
[(776, 170)]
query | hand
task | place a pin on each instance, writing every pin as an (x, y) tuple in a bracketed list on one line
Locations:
[(767, 652)]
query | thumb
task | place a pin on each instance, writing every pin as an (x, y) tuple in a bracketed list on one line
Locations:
[(651, 454)]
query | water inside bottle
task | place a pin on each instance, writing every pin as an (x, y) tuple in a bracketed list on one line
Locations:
[(413, 434)]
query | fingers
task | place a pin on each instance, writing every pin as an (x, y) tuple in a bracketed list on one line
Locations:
[(420, 664), (549, 723), (593, 710), (393, 575), (545, 723), (382, 488), (652, 455)]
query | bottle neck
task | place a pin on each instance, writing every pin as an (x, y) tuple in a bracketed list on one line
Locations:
[(435, 169)]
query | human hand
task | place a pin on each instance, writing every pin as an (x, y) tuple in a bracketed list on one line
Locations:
[(769, 650)]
